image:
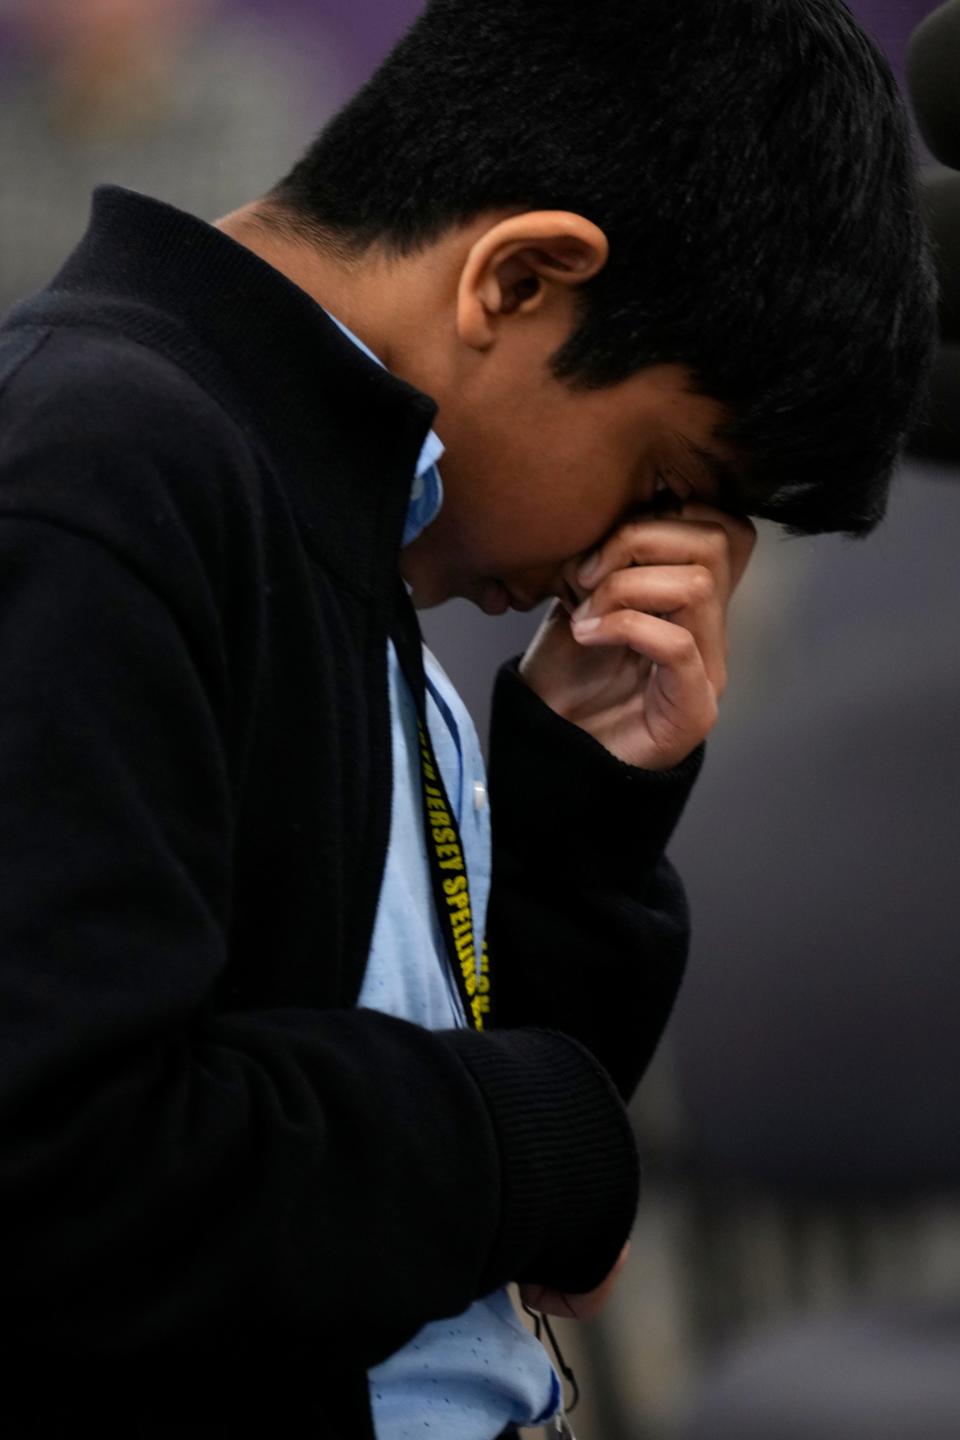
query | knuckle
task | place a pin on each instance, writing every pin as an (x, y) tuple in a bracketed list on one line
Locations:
[(626, 624), (613, 591), (684, 646), (633, 539), (703, 584), (718, 540)]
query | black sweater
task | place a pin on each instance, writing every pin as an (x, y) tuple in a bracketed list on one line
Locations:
[(225, 1192)]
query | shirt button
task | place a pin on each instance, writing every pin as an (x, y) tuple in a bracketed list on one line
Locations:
[(479, 795)]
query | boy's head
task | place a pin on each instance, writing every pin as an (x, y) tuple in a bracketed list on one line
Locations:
[(735, 259)]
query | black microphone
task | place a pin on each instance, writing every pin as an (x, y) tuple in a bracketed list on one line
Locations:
[(933, 73), (940, 198), (937, 434)]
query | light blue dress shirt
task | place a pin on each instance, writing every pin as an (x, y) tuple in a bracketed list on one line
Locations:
[(469, 1377)]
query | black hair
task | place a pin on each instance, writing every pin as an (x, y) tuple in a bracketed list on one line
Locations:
[(752, 166)]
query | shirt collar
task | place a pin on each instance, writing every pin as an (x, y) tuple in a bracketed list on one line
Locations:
[(426, 495)]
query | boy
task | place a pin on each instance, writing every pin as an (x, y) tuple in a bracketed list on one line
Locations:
[(273, 1114)]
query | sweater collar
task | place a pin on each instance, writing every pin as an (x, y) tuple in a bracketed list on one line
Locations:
[(342, 433)]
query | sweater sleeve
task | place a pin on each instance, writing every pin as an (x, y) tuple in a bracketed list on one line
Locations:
[(177, 1177), (587, 921)]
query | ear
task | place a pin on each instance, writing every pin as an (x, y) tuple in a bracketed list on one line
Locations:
[(520, 264)]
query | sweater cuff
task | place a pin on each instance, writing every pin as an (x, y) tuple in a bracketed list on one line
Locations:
[(570, 1177), (575, 803)]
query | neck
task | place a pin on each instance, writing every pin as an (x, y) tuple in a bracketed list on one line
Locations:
[(352, 290)]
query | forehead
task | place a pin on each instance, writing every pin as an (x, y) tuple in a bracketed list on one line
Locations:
[(667, 394)]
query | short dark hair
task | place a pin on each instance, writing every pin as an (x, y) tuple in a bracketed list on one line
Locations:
[(752, 166)]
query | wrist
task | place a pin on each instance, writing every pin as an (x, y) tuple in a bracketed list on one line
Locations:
[(550, 781), (569, 1170)]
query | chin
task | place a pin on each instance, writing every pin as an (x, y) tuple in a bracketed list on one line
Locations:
[(493, 597), (428, 595)]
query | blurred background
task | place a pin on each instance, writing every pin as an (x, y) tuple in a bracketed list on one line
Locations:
[(795, 1272)]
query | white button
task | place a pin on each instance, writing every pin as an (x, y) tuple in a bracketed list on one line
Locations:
[(479, 795)]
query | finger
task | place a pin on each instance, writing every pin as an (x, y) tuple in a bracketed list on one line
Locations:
[(671, 540), (688, 595), (740, 529), (659, 589), (658, 640), (659, 542), (720, 542), (688, 702)]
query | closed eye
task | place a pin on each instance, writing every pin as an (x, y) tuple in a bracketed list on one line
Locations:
[(665, 498)]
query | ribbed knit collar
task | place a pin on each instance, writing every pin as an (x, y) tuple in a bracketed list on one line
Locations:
[(342, 433)]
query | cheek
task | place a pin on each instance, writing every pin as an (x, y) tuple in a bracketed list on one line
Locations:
[(572, 518), (553, 497), (534, 542)]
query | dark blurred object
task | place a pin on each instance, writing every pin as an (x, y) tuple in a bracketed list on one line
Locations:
[(815, 1042), (938, 436), (933, 74), (933, 69), (941, 202)]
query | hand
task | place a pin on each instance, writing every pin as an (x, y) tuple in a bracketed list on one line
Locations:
[(573, 1307), (645, 673)]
